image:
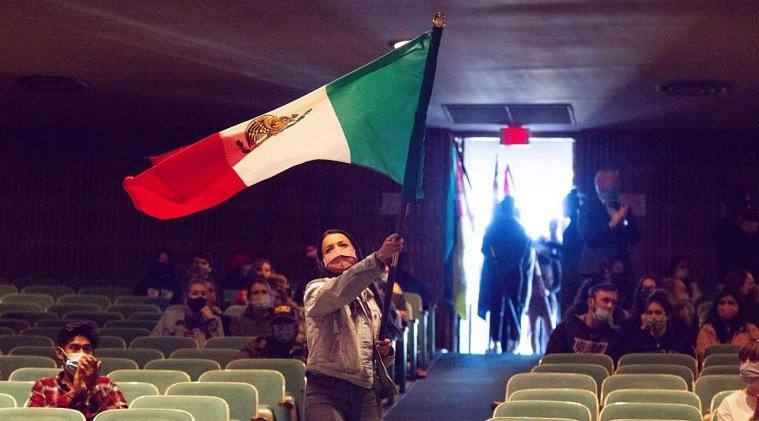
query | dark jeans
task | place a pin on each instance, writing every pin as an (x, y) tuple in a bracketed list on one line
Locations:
[(332, 399)]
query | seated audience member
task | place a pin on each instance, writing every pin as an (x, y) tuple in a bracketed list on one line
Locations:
[(725, 324), (256, 319), (683, 306), (592, 331), (580, 305), (262, 269), (285, 341), (645, 288), (280, 289), (160, 279), (679, 268), (743, 281), (199, 270), (656, 330), (194, 320), (79, 385), (239, 270), (742, 404), (213, 303)]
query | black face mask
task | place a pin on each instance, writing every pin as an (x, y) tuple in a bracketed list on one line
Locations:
[(644, 294), (195, 304)]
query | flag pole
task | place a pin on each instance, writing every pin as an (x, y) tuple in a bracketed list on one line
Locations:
[(412, 178)]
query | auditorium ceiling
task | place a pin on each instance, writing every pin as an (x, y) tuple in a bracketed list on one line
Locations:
[(604, 64)]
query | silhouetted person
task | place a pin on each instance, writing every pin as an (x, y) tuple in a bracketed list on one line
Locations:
[(571, 250), (503, 285)]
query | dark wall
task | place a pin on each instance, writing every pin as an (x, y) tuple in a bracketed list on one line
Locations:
[(684, 177), (63, 212)]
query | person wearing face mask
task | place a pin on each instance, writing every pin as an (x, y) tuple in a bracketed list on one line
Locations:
[(645, 288), (656, 330), (194, 320), (284, 341), (256, 319), (591, 331), (79, 385), (743, 281), (743, 404), (346, 367), (725, 324)]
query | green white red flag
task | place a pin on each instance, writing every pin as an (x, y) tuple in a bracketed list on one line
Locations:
[(373, 117)]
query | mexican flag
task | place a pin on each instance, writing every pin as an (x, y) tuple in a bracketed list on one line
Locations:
[(373, 117)]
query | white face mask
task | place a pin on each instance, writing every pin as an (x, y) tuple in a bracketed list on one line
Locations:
[(602, 315), (261, 301), (72, 362), (750, 373)]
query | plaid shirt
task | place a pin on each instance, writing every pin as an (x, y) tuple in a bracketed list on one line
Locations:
[(51, 392)]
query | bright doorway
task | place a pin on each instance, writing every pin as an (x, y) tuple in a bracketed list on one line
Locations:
[(541, 175)]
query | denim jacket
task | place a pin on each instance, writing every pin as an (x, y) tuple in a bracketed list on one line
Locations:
[(340, 336)]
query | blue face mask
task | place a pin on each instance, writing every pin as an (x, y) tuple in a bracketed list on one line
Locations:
[(72, 362)]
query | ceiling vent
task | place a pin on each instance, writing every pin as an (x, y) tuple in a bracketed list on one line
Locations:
[(510, 114), (51, 83), (694, 88)]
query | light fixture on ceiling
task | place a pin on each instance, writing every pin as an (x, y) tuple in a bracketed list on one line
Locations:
[(694, 88), (51, 83)]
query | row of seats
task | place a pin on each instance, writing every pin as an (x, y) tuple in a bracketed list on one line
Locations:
[(279, 384), (719, 359), (591, 381), (83, 302), (545, 410), (117, 337), (56, 288), (140, 356), (210, 400)]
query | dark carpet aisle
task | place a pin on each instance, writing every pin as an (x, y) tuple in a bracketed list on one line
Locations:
[(459, 387)]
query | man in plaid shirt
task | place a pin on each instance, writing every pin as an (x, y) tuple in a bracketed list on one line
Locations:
[(79, 385)]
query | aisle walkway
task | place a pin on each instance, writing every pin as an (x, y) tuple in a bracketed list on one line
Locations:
[(459, 387)]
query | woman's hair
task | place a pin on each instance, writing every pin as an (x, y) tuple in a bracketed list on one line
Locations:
[(661, 298), (638, 306), (725, 331), (320, 256), (674, 261), (734, 280), (750, 352), (258, 280)]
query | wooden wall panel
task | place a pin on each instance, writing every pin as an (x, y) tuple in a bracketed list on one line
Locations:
[(63, 212)]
